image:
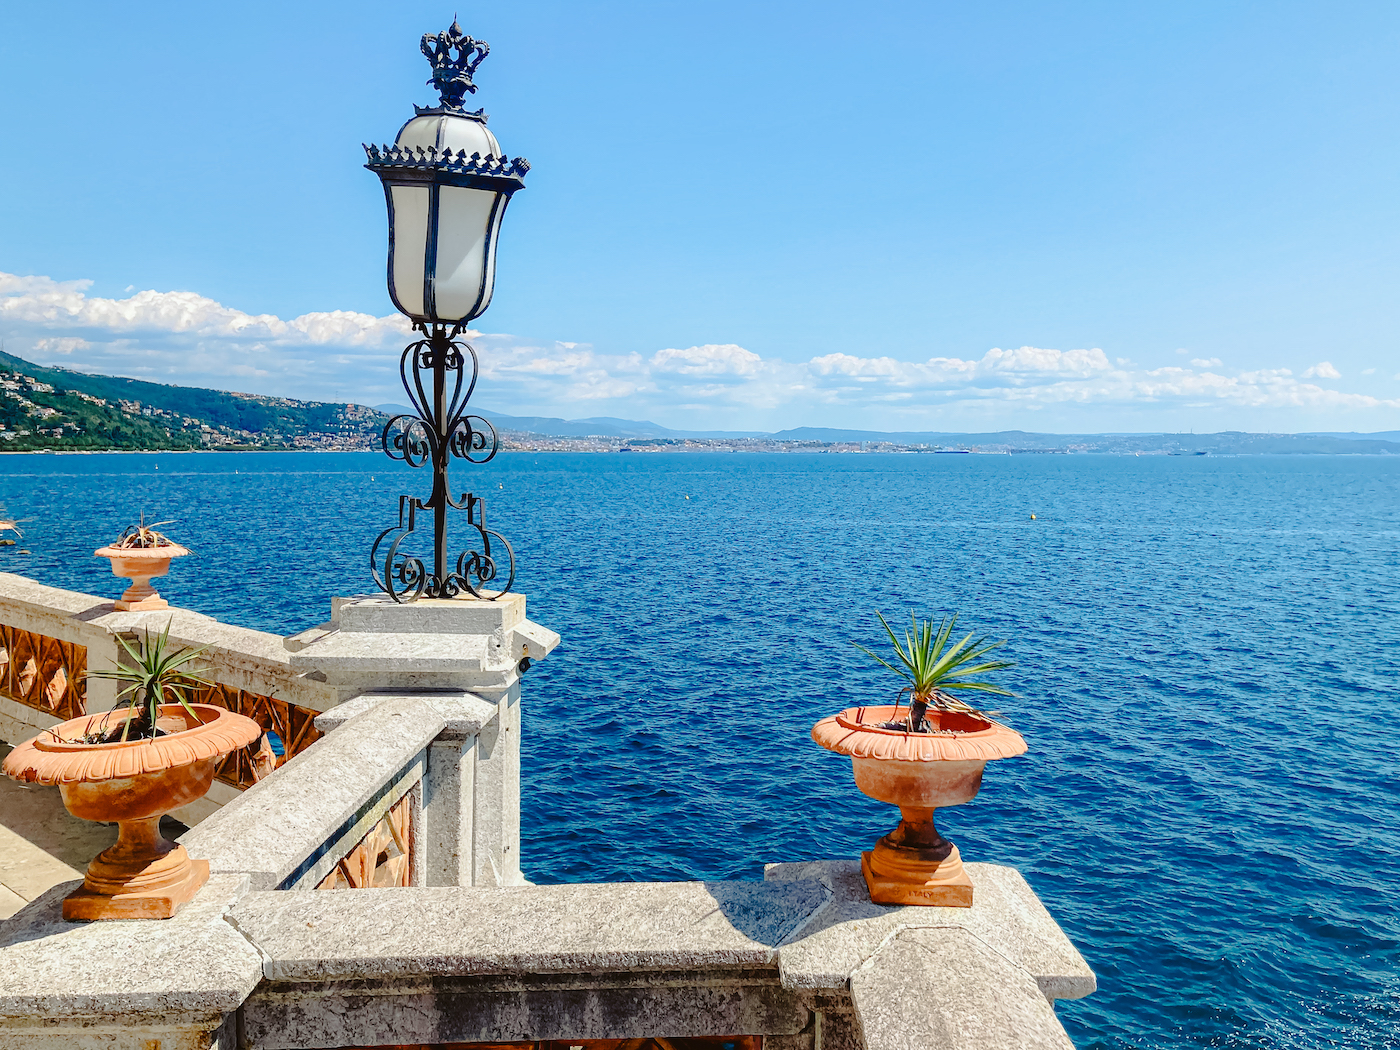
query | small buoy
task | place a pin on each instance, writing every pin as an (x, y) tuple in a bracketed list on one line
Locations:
[(502, 485), (687, 497), (1032, 517)]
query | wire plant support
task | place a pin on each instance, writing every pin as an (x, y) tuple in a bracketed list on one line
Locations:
[(434, 373)]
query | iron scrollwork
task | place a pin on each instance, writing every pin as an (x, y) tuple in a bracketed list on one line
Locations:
[(434, 377)]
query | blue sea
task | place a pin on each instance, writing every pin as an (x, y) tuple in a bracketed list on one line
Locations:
[(1208, 656)]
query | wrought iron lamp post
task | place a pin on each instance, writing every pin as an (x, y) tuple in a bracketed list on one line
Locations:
[(447, 184)]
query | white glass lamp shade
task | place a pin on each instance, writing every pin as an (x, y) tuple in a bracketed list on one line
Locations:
[(447, 185), (442, 249)]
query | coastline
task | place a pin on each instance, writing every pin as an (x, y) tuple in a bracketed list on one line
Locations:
[(698, 449)]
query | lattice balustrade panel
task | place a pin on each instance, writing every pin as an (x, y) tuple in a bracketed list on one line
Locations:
[(294, 726), (43, 673), (381, 858), (719, 1042)]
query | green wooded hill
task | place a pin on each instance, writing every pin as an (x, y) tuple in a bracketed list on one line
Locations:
[(54, 408)]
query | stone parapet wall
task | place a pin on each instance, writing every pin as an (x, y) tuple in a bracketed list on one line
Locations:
[(284, 684), (434, 768), (372, 643), (251, 671), (238, 657), (410, 796), (291, 830), (803, 959)]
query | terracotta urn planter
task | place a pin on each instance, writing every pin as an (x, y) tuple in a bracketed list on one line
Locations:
[(139, 565), (918, 772), (134, 783)]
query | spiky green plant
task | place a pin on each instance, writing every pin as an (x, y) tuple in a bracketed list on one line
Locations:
[(932, 666), (155, 674), (142, 536)]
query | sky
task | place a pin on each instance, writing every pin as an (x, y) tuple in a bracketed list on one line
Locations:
[(1063, 217)]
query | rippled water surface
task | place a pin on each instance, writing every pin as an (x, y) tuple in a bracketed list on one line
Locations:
[(1207, 676)]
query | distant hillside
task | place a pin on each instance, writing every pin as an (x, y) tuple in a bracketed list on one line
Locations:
[(54, 408), (44, 408), (608, 426), (1230, 442), (1351, 435), (594, 426), (636, 433)]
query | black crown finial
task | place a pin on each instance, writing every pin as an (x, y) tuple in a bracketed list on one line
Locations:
[(452, 76)]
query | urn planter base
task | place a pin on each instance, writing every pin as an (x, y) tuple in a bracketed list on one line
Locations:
[(914, 864), (143, 876), (151, 601), (140, 595), (83, 905), (938, 890)]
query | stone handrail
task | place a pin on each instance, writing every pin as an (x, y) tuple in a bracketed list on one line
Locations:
[(292, 830), (434, 761), (239, 657), (803, 959), (60, 633), (410, 797)]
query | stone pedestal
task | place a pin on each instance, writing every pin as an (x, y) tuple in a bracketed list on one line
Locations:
[(465, 657), (434, 644)]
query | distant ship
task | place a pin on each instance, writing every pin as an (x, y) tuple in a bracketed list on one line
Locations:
[(953, 451)]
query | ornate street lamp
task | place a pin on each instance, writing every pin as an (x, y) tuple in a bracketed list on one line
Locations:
[(447, 184)]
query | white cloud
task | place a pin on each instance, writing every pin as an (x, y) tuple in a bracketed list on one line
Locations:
[(183, 337), (63, 344), (44, 303), (1033, 359), (708, 360), (1028, 365)]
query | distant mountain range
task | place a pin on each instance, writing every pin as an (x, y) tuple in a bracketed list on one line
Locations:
[(1060, 440), (46, 408), (1224, 443), (594, 426), (1229, 442)]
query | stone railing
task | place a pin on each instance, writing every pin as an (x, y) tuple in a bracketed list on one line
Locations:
[(51, 636), (410, 797), (404, 790), (802, 960)]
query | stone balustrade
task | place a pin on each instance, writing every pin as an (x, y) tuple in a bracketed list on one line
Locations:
[(409, 797), (291, 830), (802, 959), (49, 637), (437, 757), (60, 634)]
